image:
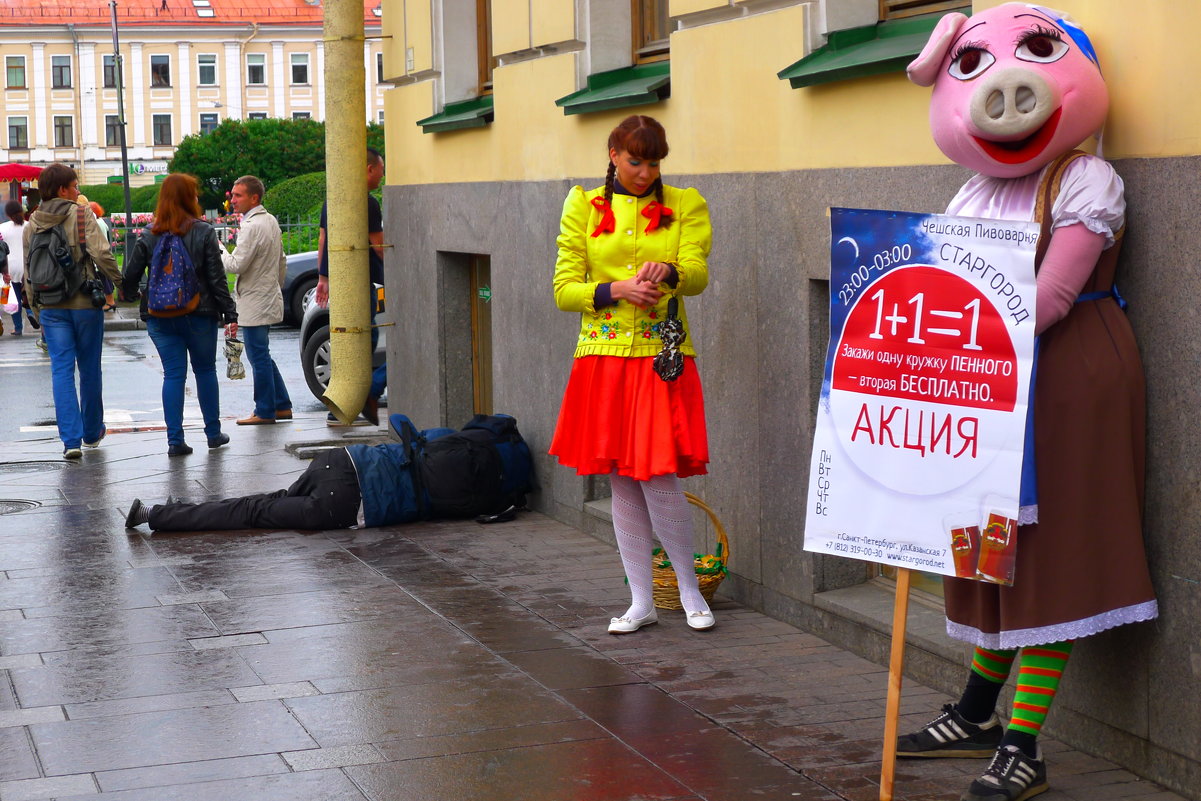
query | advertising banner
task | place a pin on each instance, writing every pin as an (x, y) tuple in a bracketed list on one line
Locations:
[(917, 453)]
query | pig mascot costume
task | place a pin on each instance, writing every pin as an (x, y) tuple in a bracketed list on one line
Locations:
[(1016, 88)]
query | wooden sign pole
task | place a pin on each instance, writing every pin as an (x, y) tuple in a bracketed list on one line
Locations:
[(896, 665)]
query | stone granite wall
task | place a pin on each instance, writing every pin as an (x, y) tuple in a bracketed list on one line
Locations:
[(761, 332)]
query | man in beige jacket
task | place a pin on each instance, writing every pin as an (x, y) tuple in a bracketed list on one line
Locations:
[(260, 264)]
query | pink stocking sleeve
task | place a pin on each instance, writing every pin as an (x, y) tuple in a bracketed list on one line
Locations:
[(1069, 261)]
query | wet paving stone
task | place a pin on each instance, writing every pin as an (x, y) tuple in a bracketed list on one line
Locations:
[(17, 760), (295, 610), (492, 740), (316, 785), (142, 625), (164, 738), (105, 678), (61, 592), (571, 668), (426, 710), (597, 770), (187, 772)]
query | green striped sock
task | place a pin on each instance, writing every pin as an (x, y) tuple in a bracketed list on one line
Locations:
[(1039, 673)]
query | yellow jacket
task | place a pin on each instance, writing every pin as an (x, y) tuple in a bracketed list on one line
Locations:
[(585, 261)]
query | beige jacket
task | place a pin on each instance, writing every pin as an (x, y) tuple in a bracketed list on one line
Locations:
[(100, 256), (260, 264)]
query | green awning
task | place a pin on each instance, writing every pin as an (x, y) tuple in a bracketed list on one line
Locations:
[(474, 113), (620, 88), (859, 52)]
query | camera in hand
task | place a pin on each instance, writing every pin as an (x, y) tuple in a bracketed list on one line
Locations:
[(95, 290)]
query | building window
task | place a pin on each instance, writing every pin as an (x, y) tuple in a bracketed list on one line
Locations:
[(379, 67), (64, 134), (206, 69), (897, 9), (112, 130), (257, 115), (110, 72), (301, 115), (652, 27), (300, 68), (256, 69), (60, 72), (18, 133), (162, 130), (14, 67), (483, 45), (208, 123), (160, 71), (381, 117)]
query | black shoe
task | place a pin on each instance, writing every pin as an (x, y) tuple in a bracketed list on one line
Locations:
[(218, 441), (182, 449), (138, 514), (949, 735), (1011, 776)]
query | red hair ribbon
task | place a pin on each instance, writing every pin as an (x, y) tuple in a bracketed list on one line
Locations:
[(608, 223), (655, 212)]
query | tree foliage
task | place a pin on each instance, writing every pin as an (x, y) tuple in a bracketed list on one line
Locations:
[(274, 150)]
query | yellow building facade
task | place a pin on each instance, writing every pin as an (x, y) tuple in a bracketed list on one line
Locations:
[(776, 110)]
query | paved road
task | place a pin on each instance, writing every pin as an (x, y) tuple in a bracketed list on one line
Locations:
[(132, 385)]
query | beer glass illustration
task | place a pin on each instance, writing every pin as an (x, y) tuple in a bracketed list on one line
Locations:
[(998, 548), (964, 531)]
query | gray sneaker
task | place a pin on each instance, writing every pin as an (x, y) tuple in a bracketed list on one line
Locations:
[(1011, 776), (950, 735)]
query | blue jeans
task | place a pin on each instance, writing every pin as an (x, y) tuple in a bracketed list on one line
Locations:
[(73, 337), (270, 394), (176, 339)]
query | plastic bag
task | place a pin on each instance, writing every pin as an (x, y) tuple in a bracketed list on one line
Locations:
[(8, 298), (233, 354)]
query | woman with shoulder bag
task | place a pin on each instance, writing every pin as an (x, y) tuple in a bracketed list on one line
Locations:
[(190, 331)]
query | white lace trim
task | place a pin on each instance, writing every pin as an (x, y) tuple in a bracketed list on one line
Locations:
[(1072, 630), (1028, 515)]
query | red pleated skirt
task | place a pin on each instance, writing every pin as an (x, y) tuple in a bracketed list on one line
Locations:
[(617, 414)]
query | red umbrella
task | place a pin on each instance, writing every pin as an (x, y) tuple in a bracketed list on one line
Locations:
[(18, 172)]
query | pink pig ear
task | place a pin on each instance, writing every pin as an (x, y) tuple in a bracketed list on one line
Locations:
[(924, 69)]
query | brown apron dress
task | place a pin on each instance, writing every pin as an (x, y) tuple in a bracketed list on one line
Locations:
[(1082, 568)]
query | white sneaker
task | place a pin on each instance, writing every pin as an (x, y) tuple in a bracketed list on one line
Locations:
[(72, 453)]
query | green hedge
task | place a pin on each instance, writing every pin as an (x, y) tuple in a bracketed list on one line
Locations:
[(297, 199), (110, 196), (145, 198)]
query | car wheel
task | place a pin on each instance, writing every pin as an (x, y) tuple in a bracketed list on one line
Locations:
[(302, 298), (316, 361)]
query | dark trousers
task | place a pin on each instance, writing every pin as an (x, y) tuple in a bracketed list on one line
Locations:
[(325, 496)]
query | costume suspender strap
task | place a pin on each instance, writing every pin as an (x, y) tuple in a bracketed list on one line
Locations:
[(1048, 191)]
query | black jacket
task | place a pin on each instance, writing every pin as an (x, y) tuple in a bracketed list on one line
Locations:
[(202, 245)]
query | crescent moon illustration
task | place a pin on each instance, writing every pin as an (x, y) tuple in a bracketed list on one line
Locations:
[(854, 244)]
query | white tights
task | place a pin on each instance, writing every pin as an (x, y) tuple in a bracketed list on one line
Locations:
[(642, 509)]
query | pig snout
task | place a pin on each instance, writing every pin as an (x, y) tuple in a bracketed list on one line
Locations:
[(1011, 103)]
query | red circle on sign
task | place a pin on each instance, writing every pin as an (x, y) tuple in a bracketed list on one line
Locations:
[(922, 333)]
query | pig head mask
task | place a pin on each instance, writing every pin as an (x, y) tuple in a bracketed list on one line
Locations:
[(1014, 87)]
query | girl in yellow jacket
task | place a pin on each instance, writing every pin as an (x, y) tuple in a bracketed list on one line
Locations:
[(628, 252)]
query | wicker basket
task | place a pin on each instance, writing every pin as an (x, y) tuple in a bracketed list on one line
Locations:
[(710, 570)]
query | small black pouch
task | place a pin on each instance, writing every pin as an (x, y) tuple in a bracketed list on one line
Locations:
[(669, 362)]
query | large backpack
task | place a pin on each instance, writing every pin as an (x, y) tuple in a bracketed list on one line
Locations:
[(173, 288), (51, 273), (484, 468)]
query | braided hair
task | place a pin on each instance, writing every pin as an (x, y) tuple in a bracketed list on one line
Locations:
[(643, 138)]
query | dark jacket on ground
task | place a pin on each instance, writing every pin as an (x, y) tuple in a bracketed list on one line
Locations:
[(202, 245)]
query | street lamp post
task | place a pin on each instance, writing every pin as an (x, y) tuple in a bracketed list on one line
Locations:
[(118, 68)]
